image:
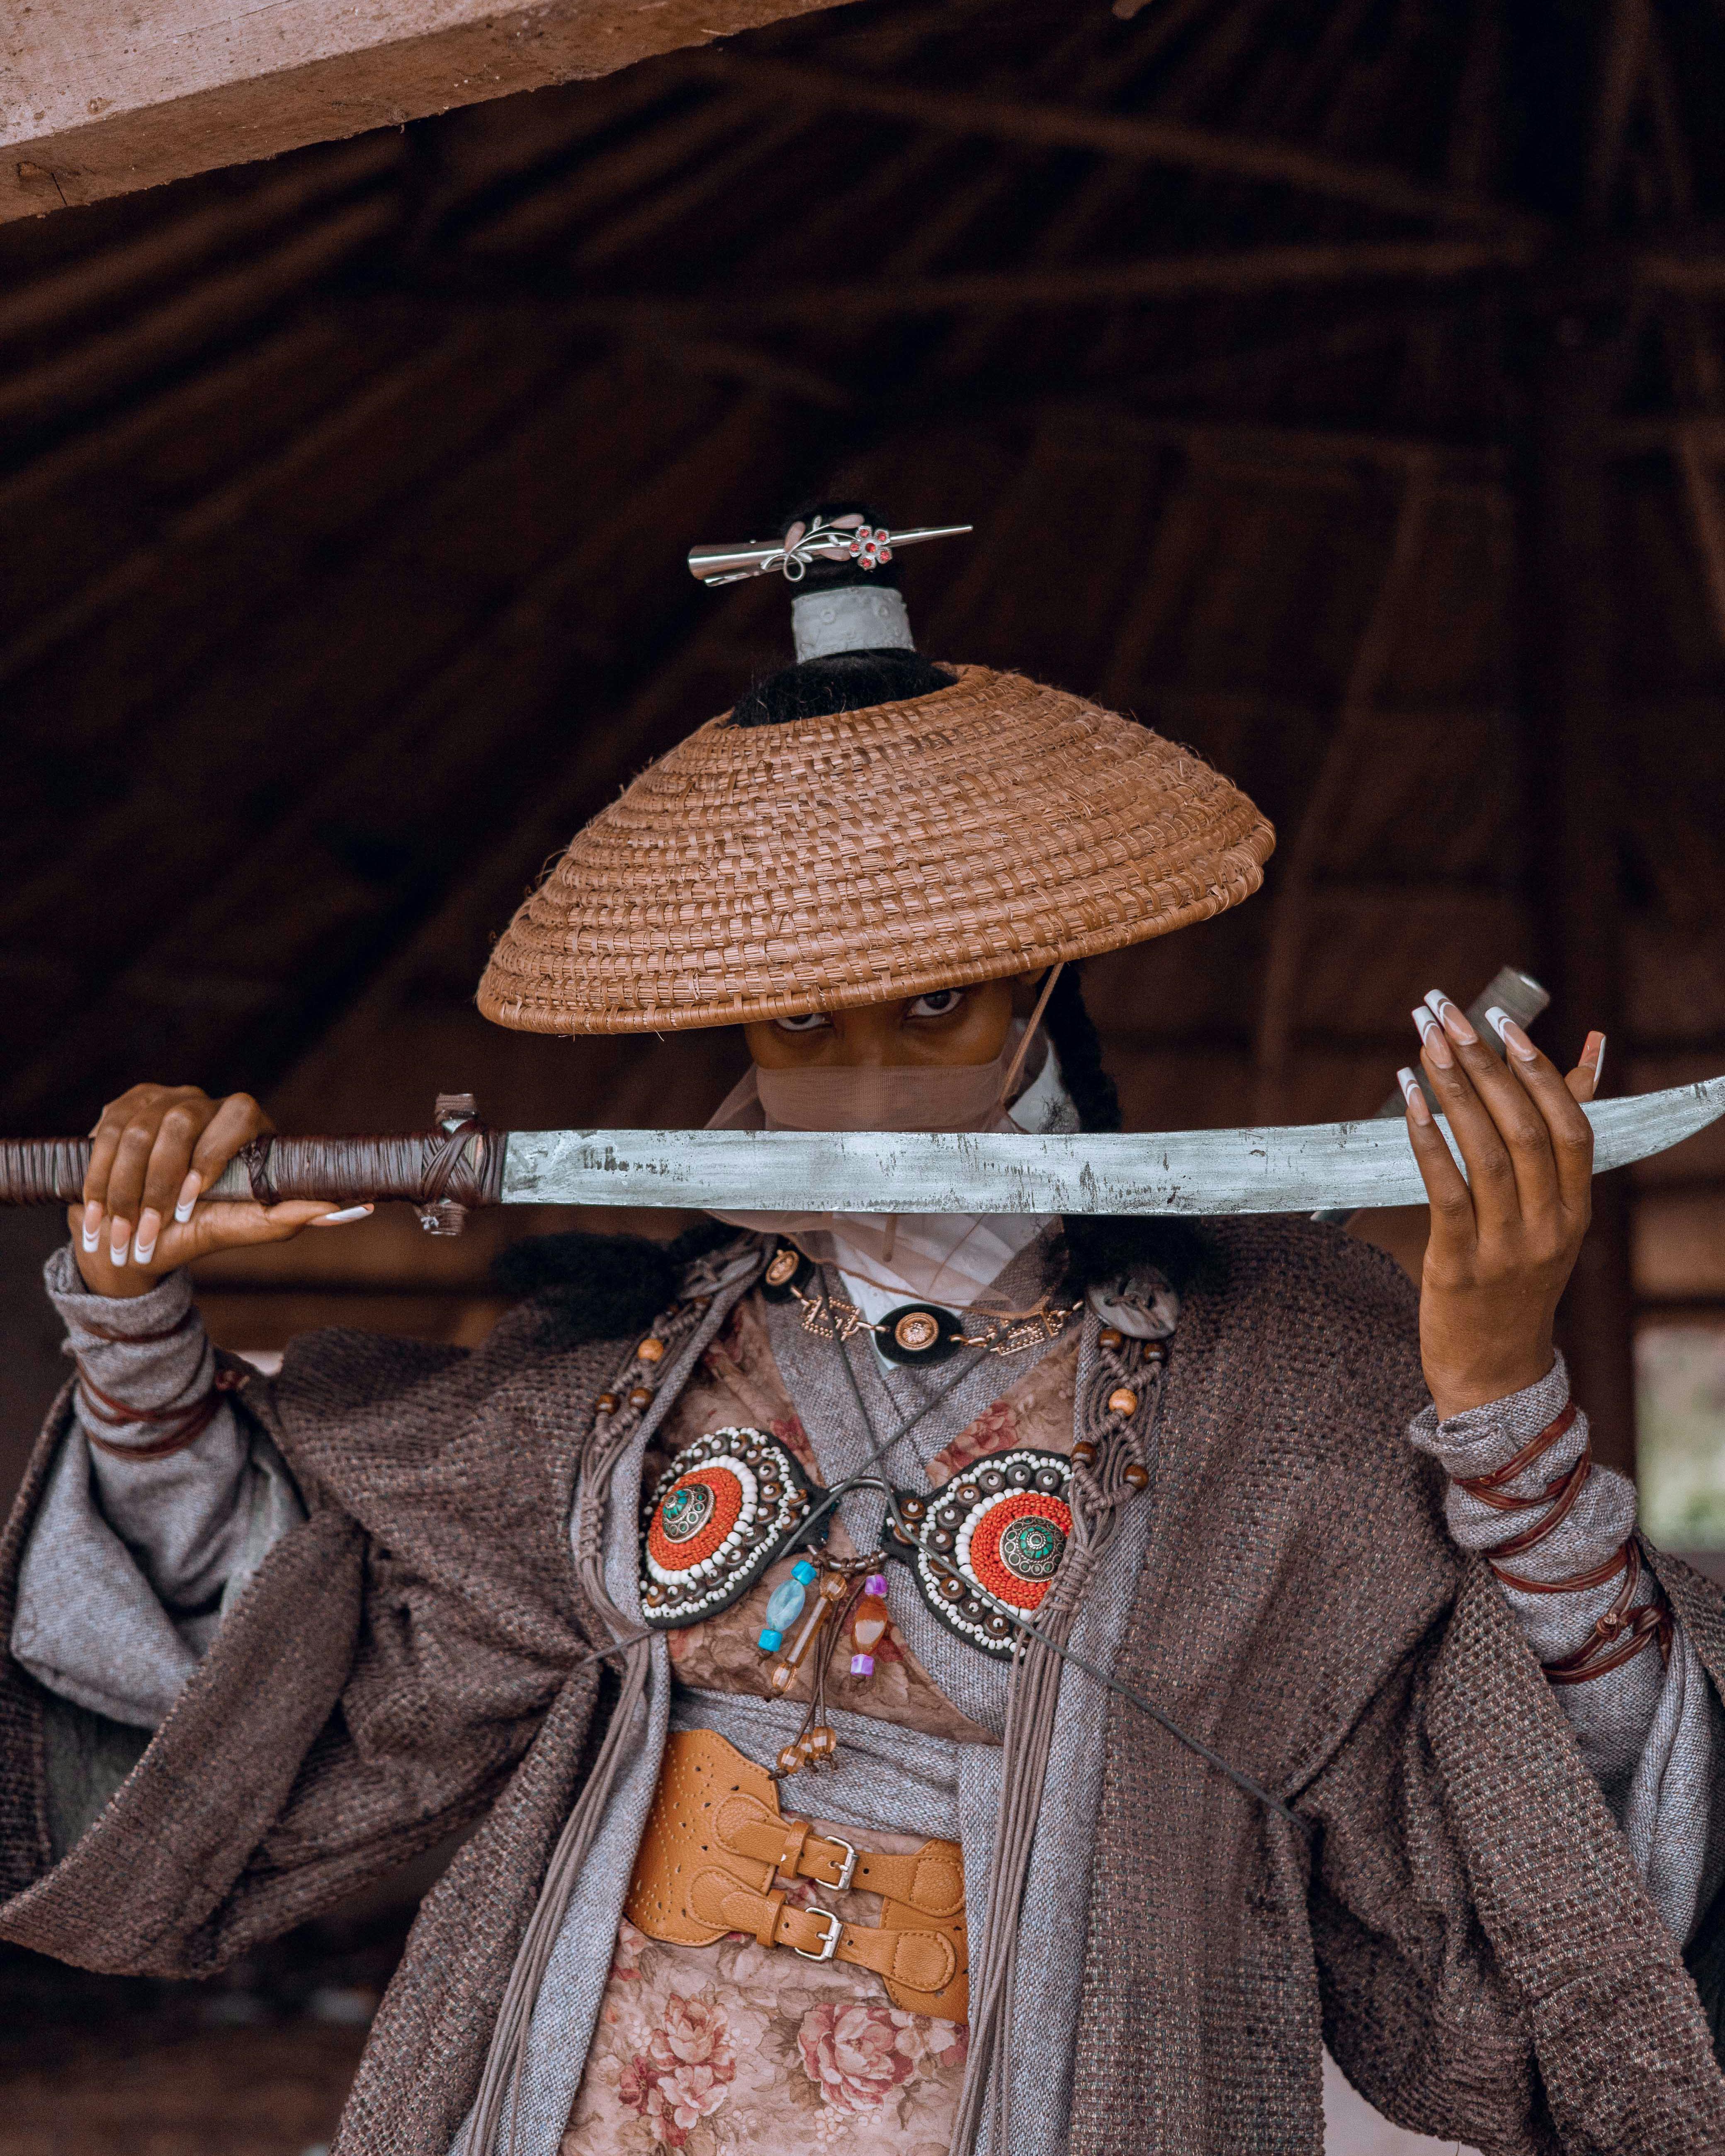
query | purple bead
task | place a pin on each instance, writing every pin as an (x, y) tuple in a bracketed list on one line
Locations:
[(876, 1584), (862, 1665)]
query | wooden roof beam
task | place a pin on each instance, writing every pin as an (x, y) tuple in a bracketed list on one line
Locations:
[(95, 102), (1147, 140), (1235, 273)]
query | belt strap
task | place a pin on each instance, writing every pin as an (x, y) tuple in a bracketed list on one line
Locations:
[(921, 1961), (929, 1880), (715, 1846)]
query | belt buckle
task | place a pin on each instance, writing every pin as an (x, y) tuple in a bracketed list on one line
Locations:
[(847, 1871), (829, 1945)]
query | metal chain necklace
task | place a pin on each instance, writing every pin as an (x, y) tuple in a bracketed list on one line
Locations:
[(916, 1332)]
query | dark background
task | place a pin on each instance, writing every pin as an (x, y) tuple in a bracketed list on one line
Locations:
[(1336, 387)]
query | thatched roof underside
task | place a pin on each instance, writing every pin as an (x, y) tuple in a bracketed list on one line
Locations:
[(1332, 385)]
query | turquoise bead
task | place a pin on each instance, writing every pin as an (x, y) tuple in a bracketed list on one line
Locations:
[(771, 1641), (785, 1605), (802, 1570)]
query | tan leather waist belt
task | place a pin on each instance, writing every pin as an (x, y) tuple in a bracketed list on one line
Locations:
[(717, 1846)]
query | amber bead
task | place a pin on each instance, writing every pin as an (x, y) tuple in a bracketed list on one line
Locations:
[(606, 1403), (1084, 1452), (868, 1624), (641, 1396), (1138, 1476), (1122, 1401), (1108, 1338), (651, 1349), (820, 1743), (789, 1760), (783, 1676)]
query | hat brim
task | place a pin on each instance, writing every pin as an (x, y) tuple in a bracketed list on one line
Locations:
[(982, 831)]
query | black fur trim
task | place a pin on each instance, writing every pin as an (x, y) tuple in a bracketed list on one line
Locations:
[(612, 1285)]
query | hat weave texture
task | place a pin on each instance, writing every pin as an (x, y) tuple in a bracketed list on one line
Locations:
[(983, 830)]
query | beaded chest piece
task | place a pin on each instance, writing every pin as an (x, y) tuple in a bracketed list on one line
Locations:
[(734, 1501)]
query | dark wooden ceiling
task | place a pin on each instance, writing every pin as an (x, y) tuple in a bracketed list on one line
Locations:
[(1334, 386)]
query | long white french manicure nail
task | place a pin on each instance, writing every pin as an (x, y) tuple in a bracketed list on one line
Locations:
[(189, 1190), (1453, 1018), (1433, 1039), (1415, 1099), (92, 1224), (119, 1236), (341, 1220), (1593, 1051), (143, 1245), (1510, 1034)]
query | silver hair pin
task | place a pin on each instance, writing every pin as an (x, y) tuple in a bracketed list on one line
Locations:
[(869, 548)]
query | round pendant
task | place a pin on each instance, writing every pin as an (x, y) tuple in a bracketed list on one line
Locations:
[(722, 1512), (995, 1535), (788, 1273), (918, 1332)]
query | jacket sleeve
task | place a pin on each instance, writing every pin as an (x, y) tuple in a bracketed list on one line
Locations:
[(138, 1548), (1649, 1730), (1470, 1889), (392, 1660)]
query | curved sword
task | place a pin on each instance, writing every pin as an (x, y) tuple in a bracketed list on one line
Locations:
[(1280, 1168)]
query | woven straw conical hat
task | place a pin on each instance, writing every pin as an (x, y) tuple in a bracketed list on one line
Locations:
[(978, 831)]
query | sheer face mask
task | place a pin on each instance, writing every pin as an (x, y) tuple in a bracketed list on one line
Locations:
[(932, 1097)]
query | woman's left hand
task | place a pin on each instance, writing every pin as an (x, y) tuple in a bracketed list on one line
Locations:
[(1505, 1238)]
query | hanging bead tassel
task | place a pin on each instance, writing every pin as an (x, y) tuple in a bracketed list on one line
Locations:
[(868, 1624), (785, 1606)]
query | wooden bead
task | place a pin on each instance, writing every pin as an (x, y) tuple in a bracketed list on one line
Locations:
[(606, 1403), (1108, 1338), (641, 1396), (1122, 1401), (1138, 1477), (651, 1349), (1084, 1452)]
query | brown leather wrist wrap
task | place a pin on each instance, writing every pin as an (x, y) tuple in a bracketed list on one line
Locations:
[(1620, 1633), (180, 1426), (716, 1845)]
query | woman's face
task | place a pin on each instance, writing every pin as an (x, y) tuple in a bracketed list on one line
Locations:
[(946, 1025)]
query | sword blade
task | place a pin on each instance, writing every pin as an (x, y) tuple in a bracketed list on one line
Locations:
[(1280, 1168)]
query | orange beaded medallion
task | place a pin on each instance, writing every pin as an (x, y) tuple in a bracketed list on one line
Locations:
[(993, 1536), (727, 1505)]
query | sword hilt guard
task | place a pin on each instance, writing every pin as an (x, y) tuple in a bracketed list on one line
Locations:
[(444, 1173)]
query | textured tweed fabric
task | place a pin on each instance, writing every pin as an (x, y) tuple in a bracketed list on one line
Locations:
[(1464, 1922)]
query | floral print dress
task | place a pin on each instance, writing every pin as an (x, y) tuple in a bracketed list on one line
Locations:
[(737, 2047)]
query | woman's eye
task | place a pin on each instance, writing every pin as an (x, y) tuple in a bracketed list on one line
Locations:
[(938, 1003), (808, 1022)]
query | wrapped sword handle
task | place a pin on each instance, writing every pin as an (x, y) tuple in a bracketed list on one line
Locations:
[(444, 1171)]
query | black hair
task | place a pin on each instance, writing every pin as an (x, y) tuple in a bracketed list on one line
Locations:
[(848, 680), (1100, 1246)]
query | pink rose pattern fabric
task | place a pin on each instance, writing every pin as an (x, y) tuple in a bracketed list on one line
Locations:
[(738, 2050)]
